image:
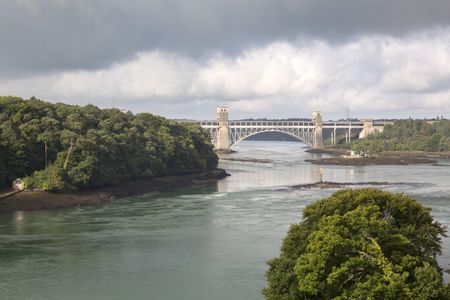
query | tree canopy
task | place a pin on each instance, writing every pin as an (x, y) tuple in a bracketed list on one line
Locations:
[(360, 244), (90, 147), (408, 135)]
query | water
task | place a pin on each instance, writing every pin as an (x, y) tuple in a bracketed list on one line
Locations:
[(206, 242)]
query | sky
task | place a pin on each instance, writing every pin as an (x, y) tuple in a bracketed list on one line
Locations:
[(260, 58)]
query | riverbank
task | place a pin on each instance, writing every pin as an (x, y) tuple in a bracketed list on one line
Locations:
[(330, 151), (370, 161), (336, 185), (416, 154), (35, 200), (247, 159), (342, 157)]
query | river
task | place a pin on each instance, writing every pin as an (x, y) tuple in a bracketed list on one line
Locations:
[(207, 242)]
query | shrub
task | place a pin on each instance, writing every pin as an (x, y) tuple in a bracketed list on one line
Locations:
[(50, 179)]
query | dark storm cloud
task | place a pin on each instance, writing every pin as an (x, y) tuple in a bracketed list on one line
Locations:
[(51, 35)]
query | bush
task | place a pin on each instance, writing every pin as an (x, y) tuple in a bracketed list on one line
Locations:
[(50, 179), (360, 244)]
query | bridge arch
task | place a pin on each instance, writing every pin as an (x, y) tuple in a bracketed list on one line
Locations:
[(226, 133), (242, 138)]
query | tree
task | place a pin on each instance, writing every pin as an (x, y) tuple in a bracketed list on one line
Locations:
[(360, 244), (408, 135), (94, 147), (50, 179)]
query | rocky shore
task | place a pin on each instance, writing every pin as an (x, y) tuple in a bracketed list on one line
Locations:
[(330, 151), (372, 160), (415, 154), (35, 200), (335, 185), (247, 159), (221, 151)]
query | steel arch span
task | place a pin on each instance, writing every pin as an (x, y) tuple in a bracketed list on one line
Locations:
[(240, 130), (226, 133), (302, 135), (297, 137)]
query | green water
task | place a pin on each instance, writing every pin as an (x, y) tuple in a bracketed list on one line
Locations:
[(207, 242)]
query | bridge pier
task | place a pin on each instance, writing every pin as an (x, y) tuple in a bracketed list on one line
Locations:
[(318, 128), (368, 129), (333, 137), (223, 131)]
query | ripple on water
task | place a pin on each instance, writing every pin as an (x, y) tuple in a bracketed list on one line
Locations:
[(207, 242)]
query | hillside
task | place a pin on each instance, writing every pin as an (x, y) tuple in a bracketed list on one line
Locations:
[(408, 135), (91, 147)]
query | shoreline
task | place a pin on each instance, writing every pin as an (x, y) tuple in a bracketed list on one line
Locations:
[(330, 151), (334, 185), (36, 200), (342, 157), (247, 159), (371, 161), (417, 154)]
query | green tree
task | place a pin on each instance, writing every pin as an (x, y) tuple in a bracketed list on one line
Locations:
[(360, 244), (95, 147), (50, 179), (408, 135)]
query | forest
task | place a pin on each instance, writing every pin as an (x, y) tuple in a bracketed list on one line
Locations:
[(60, 146), (408, 135)]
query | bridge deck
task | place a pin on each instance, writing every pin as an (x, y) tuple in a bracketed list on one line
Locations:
[(287, 124)]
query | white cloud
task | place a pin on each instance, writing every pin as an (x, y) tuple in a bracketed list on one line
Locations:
[(253, 105), (372, 76), (151, 74), (419, 63)]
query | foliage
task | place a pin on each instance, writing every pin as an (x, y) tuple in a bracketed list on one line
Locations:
[(96, 147), (408, 135), (49, 179), (360, 244)]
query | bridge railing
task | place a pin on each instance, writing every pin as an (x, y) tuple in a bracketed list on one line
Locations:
[(299, 124)]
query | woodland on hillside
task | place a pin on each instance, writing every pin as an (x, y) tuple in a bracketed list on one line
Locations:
[(408, 135), (60, 146)]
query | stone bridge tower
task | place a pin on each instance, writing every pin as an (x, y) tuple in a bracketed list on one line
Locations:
[(368, 128), (223, 139), (317, 123)]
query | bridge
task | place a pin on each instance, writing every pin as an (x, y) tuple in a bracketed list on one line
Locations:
[(225, 133)]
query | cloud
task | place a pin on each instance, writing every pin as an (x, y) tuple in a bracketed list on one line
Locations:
[(420, 63), (260, 106), (279, 68), (373, 76), (56, 35)]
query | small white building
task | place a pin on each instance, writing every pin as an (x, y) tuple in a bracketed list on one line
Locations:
[(17, 185)]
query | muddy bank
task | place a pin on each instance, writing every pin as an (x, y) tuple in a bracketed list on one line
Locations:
[(370, 161), (417, 154), (247, 159), (221, 151), (333, 185), (34, 200), (329, 151)]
